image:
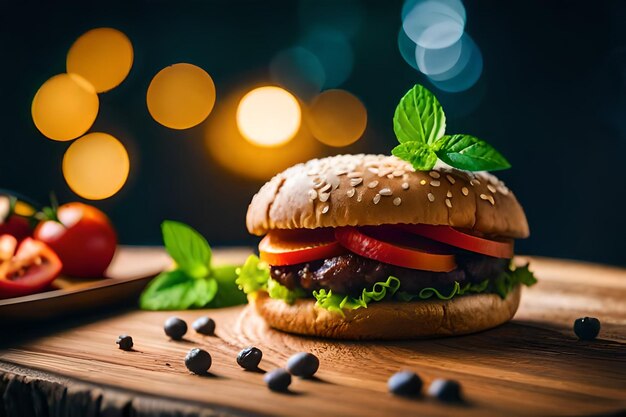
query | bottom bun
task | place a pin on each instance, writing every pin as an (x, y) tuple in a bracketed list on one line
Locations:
[(390, 320)]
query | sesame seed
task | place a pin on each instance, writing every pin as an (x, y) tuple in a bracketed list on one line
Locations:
[(431, 197), (405, 177), (312, 194), (318, 184), (325, 210), (449, 194), (372, 184), (376, 199), (386, 171), (465, 191), (398, 173), (341, 172), (448, 203), (397, 201), (313, 172), (405, 185), (359, 197), (373, 170), (491, 188), (335, 186), (390, 176), (434, 174), (474, 182), (385, 191), (350, 192), (488, 198), (503, 190), (423, 182), (435, 183), (356, 181), (451, 179), (324, 197), (325, 188), (355, 174)]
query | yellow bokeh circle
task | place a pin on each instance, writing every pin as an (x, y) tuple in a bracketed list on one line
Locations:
[(65, 107), (231, 150), (181, 96), (269, 116), (96, 166), (337, 118), (102, 56)]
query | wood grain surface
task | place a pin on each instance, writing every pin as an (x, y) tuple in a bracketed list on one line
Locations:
[(532, 366)]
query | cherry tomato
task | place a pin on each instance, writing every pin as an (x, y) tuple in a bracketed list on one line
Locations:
[(15, 217), (397, 248), (83, 237), (290, 247), (446, 234), (27, 270)]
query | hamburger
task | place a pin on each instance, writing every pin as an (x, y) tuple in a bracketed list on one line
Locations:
[(368, 247)]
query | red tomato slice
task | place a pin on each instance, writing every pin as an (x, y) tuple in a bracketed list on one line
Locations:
[(446, 234), (29, 270), (397, 248), (291, 247)]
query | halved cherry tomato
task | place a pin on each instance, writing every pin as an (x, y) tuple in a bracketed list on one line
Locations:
[(28, 270), (291, 247), (397, 248), (451, 236), (83, 237), (15, 217)]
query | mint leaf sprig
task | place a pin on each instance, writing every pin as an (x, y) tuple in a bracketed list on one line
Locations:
[(194, 282), (420, 124)]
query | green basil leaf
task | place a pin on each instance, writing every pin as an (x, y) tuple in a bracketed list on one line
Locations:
[(253, 275), (187, 247), (175, 290), (419, 117), (420, 155), (469, 153), (228, 292)]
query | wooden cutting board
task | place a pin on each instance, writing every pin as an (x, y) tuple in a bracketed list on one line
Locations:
[(531, 366)]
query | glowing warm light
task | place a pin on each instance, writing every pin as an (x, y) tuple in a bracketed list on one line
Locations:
[(181, 96), (337, 118), (65, 107), (232, 151), (269, 116), (96, 166), (102, 56)]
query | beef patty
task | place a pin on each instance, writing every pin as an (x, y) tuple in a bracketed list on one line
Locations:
[(350, 273)]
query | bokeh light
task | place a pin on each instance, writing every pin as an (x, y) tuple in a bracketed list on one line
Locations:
[(96, 166), (65, 107), (465, 73), (437, 61), (297, 69), (181, 96), (337, 118), (232, 151), (102, 56), (333, 50), (434, 24), (269, 116), (407, 49)]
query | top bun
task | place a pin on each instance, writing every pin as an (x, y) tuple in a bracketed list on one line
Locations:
[(370, 190)]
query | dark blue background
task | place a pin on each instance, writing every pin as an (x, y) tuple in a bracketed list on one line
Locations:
[(552, 98)]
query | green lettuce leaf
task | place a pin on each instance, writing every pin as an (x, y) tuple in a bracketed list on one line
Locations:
[(280, 292), (508, 280), (337, 303), (252, 275)]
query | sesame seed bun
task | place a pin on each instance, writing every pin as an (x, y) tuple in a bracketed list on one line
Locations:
[(388, 319), (370, 190)]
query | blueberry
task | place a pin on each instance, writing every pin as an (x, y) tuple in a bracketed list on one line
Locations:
[(198, 361), (124, 342), (303, 364), (175, 328), (405, 383), (204, 325), (587, 328), (249, 358), (277, 379), (445, 390)]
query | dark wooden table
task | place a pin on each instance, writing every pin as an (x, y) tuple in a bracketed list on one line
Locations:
[(531, 366)]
